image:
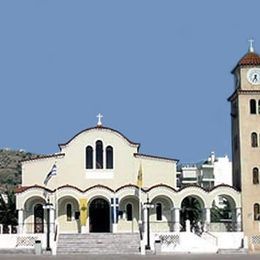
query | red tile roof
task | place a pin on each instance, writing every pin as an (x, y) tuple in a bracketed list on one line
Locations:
[(251, 58)]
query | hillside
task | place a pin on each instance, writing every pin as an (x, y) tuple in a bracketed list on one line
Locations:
[(10, 166)]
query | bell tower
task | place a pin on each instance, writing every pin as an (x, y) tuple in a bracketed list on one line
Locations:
[(245, 123)]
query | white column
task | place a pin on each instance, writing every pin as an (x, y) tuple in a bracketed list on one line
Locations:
[(104, 156), (52, 220), (207, 219), (208, 215), (20, 221), (176, 220), (145, 226), (172, 220), (114, 227), (238, 219), (9, 229)]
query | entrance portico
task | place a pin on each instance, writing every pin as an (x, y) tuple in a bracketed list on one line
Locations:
[(106, 210)]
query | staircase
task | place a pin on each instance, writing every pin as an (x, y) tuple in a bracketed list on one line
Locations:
[(99, 243), (241, 251), (16, 251)]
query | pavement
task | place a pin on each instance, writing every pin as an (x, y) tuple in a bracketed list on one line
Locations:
[(134, 257)]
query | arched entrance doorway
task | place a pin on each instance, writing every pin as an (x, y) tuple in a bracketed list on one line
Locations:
[(38, 218), (99, 217), (223, 217), (192, 210)]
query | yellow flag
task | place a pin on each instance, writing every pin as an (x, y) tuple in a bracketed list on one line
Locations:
[(83, 211), (140, 177)]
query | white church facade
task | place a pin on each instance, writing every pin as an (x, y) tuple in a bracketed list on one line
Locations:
[(101, 183)]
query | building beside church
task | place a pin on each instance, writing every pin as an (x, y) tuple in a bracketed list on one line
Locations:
[(207, 173)]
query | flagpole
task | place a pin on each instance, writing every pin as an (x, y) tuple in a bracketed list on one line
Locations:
[(56, 202), (140, 184)]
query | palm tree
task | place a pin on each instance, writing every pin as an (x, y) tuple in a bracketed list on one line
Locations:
[(191, 210), (8, 213)]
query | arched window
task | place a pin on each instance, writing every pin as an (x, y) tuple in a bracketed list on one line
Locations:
[(109, 157), (254, 141), (256, 211), (129, 212), (89, 157), (255, 176), (258, 106), (159, 211), (69, 212), (252, 106), (99, 155)]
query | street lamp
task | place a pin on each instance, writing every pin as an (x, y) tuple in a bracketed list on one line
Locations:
[(148, 206), (48, 206)]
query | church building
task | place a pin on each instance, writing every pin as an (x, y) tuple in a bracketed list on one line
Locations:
[(94, 185), (100, 182)]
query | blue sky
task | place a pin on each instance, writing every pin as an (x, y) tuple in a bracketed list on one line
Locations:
[(159, 71)]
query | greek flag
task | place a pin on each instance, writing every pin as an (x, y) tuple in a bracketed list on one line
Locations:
[(52, 172)]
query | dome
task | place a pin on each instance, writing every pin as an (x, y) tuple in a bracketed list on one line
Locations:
[(251, 58)]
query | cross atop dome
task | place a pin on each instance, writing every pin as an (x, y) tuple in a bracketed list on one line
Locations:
[(251, 46), (99, 123)]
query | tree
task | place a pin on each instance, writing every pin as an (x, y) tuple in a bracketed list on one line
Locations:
[(220, 214), (191, 210), (8, 213)]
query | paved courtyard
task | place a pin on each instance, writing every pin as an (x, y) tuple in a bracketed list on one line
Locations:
[(133, 257)]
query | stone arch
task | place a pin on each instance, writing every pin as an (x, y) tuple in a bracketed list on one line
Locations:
[(163, 198), (99, 192), (163, 191), (191, 210), (228, 192), (129, 190), (225, 201), (22, 198), (196, 192), (68, 225), (129, 225), (34, 223), (166, 222), (32, 201), (68, 191)]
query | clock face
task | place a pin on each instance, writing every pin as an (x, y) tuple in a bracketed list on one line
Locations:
[(253, 76)]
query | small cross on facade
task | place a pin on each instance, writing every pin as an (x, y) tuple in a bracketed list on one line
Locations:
[(99, 116), (251, 46)]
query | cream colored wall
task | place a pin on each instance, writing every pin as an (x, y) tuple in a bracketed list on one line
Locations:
[(71, 167), (66, 226), (156, 171), (249, 159), (34, 172), (123, 224), (166, 224)]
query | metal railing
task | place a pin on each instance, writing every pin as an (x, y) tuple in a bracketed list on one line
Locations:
[(223, 227), (32, 228)]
